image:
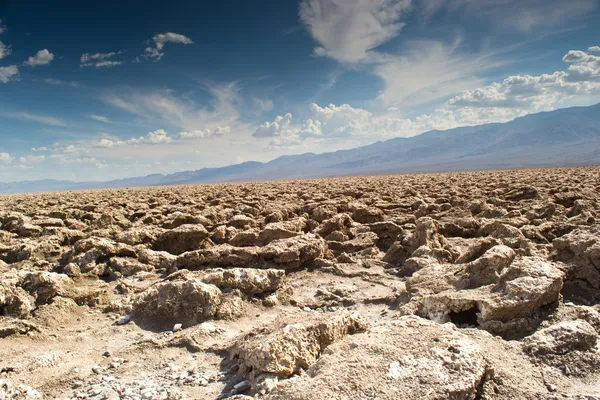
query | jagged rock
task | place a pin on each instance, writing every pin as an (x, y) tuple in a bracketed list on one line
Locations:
[(181, 239), (524, 193), (281, 230), (386, 229), (138, 235), (187, 301), (241, 221), (368, 215), (287, 348), (15, 301), (425, 234), (246, 238), (249, 281), (285, 253), (506, 307), (408, 359), (124, 266), (486, 269), (323, 212), (178, 218), (562, 338), (360, 242), (44, 286), (340, 222)]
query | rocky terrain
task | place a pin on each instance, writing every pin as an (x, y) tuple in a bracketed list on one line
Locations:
[(474, 285)]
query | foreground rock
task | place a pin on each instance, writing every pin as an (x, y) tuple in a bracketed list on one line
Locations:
[(500, 298), (287, 348), (410, 358)]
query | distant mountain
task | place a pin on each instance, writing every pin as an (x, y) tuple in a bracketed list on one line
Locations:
[(563, 137)]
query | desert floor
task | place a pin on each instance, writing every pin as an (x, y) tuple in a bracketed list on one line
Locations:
[(473, 285)]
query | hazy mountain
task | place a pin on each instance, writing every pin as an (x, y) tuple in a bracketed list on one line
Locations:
[(563, 137)]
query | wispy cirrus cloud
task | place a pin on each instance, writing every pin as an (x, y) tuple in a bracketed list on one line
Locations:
[(99, 60), (165, 107), (52, 81), (42, 119), (99, 118)]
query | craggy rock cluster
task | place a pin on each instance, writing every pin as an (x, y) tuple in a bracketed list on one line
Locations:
[(472, 285)]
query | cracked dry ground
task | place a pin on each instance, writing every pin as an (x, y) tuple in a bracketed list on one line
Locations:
[(476, 285)]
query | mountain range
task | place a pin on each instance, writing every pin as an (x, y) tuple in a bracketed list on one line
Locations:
[(564, 137)]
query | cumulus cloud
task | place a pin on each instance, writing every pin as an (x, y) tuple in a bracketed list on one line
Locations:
[(2, 27), (155, 52), (538, 92), (279, 127), (100, 59), (5, 158), (4, 50), (8, 73), (347, 30), (502, 101), (158, 136), (42, 57)]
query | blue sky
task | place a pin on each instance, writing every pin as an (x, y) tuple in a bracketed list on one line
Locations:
[(101, 90)]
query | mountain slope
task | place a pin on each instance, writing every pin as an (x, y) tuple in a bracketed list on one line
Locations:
[(563, 137)]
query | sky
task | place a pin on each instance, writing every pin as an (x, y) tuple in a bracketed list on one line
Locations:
[(99, 90)]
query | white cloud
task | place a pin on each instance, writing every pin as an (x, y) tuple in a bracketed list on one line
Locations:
[(68, 159), (279, 127), (8, 73), (2, 27), (164, 107), (100, 59), (99, 118), (158, 136), (540, 92), (347, 30), (42, 119), (428, 71), (518, 15), (42, 57), (502, 101), (155, 53), (53, 81), (4, 50), (31, 159), (5, 158), (204, 133), (594, 49)]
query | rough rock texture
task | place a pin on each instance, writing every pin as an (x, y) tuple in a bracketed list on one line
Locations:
[(186, 301), (562, 338), (469, 285), (410, 358), (287, 348)]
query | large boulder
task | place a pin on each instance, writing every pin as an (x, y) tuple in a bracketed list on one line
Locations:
[(187, 301), (507, 305), (407, 359)]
